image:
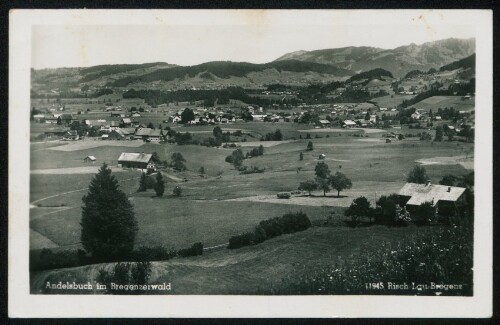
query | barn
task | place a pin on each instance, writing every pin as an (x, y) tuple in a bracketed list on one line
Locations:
[(349, 124), (116, 135), (148, 134), (141, 161), (324, 123), (91, 159)]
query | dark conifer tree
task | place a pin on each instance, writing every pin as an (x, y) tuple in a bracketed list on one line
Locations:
[(108, 222), (142, 183), (160, 185)]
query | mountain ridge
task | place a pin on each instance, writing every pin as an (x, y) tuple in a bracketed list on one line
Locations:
[(399, 60)]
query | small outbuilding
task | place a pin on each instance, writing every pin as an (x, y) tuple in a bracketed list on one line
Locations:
[(89, 159), (324, 123)]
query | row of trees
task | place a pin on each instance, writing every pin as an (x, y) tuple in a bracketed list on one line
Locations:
[(389, 212), (286, 224), (147, 182), (325, 181), (273, 136), (236, 157)]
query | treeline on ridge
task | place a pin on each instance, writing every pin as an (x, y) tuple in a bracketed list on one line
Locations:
[(98, 71), (227, 69)]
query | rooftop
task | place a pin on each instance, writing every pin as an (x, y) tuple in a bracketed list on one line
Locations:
[(135, 157), (421, 193), (148, 132)]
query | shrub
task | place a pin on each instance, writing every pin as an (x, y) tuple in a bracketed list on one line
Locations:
[(177, 191), (240, 240), (424, 214), (266, 229), (417, 175), (251, 170), (195, 250), (130, 275), (386, 211), (273, 136), (48, 259), (283, 195), (159, 186), (155, 253), (360, 207), (425, 136)]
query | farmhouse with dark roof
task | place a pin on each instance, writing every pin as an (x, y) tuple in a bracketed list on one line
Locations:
[(142, 161)]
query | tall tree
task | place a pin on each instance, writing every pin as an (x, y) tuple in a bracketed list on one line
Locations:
[(142, 183), (340, 182), (322, 172), (155, 157), (261, 150), (360, 207), (217, 132), (178, 161), (386, 209), (417, 175), (308, 186), (159, 187), (278, 136), (187, 115), (439, 133), (108, 221)]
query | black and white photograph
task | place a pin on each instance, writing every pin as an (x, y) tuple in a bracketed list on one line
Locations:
[(254, 154)]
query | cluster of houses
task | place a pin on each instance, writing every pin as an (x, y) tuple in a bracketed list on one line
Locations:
[(56, 118), (205, 117)]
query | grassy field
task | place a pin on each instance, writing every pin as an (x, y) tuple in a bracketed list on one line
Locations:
[(176, 223), (391, 101), (436, 102), (253, 269), (375, 168)]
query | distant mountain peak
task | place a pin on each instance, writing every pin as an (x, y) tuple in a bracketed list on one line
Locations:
[(291, 55), (399, 60)]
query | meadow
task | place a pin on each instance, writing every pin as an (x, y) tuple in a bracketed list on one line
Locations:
[(255, 269), (435, 102), (224, 203), (375, 168)]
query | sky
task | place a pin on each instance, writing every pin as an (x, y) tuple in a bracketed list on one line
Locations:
[(193, 37)]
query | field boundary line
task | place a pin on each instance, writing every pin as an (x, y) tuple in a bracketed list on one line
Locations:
[(82, 189)]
